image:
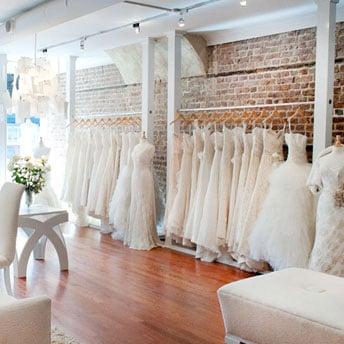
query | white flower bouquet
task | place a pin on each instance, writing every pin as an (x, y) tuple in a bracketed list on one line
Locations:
[(29, 172)]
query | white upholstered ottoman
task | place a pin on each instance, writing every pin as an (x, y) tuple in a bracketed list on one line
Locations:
[(292, 306)]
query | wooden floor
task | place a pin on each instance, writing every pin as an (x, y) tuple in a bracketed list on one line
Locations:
[(116, 295)]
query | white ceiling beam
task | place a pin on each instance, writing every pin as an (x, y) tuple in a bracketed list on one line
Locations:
[(51, 14), (324, 75)]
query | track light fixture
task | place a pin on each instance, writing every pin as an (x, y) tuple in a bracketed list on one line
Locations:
[(181, 21), (45, 51), (243, 3), (136, 27), (82, 43)]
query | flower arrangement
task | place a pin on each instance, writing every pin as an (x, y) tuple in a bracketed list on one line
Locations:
[(29, 172)]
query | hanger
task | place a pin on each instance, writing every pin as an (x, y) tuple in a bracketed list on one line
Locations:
[(178, 118)]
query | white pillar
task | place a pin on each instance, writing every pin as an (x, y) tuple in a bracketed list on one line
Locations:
[(174, 94), (70, 87), (148, 87), (324, 74), (3, 124)]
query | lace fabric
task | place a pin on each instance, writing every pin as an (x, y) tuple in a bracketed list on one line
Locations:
[(328, 250)]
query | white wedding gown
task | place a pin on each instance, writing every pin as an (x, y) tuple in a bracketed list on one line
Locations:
[(236, 162), (208, 248), (225, 180), (272, 153), (256, 154), (327, 178), (173, 168), (142, 231), (245, 163), (283, 235), (197, 151), (120, 203), (202, 184), (177, 215)]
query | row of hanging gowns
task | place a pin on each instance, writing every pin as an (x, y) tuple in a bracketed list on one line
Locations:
[(229, 202), (110, 175)]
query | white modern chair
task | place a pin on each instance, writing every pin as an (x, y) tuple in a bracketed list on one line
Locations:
[(10, 196)]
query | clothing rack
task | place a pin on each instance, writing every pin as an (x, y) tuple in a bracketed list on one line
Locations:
[(241, 107), (133, 119)]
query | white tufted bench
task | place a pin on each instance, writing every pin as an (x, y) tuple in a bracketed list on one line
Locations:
[(292, 306)]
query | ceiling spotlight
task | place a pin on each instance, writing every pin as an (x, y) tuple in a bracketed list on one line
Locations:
[(243, 3), (181, 21), (45, 51), (136, 27), (82, 43)]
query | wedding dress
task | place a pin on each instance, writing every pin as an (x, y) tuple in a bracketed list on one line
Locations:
[(177, 215), (120, 203), (284, 232), (245, 163), (92, 191), (202, 184), (236, 162), (197, 151), (272, 154), (173, 169), (225, 179), (103, 199), (327, 178), (118, 141), (208, 249), (89, 163), (256, 154), (79, 172), (142, 231), (124, 152), (99, 173)]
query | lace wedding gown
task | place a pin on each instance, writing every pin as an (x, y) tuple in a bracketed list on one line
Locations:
[(142, 232), (327, 178), (120, 203), (202, 183), (225, 179), (272, 153), (177, 215), (197, 151), (245, 163), (236, 161), (284, 232), (208, 249)]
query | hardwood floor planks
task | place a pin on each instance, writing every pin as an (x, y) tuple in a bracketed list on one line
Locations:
[(116, 295)]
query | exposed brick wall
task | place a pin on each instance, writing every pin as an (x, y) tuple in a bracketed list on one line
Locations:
[(266, 70)]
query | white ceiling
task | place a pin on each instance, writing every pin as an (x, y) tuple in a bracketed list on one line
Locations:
[(221, 21), (10, 8)]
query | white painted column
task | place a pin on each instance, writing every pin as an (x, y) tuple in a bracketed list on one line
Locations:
[(174, 95), (148, 88), (70, 87), (3, 124), (324, 74)]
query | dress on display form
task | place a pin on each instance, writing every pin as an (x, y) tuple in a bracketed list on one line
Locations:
[(142, 233), (327, 178), (283, 235)]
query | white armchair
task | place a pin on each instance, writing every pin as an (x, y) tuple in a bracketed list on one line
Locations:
[(25, 321), (10, 196)]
